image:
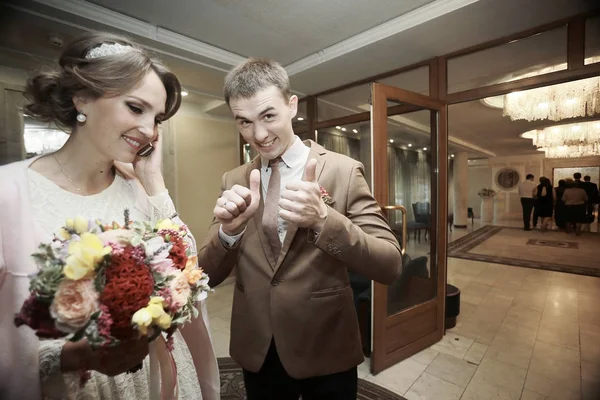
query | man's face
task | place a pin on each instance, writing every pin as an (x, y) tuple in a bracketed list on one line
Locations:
[(265, 121)]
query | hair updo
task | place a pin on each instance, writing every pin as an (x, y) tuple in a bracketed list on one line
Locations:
[(51, 92)]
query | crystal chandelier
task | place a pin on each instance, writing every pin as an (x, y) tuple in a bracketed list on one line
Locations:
[(581, 139), (557, 102), (580, 133), (573, 151)]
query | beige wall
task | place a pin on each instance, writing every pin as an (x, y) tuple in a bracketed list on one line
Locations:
[(204, 150)]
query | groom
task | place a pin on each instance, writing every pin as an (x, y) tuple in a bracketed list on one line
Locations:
[(293, 222)]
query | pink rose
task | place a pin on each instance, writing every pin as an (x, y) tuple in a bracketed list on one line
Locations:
[(73, 304), (180, 290)]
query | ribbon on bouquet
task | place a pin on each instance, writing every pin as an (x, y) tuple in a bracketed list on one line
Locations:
[(163, 371)]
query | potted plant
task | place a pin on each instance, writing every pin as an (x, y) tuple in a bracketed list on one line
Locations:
[(487, 205)]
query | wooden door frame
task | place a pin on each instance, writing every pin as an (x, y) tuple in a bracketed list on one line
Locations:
[(381, 321)]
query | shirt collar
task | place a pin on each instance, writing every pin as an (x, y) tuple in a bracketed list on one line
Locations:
[(292, 156)]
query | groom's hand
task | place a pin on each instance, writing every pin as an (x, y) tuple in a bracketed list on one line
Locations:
[(237, 205)]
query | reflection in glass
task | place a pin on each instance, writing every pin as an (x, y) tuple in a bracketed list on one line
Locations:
[(410, 162), (41, 138), (300, 122), (352, 140), (539, 54), (592, 40)]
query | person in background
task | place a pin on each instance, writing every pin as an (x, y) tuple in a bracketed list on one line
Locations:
[(577, 179), (591, 189), (575, 200), (544, 202), (526, 192), (559, 207)]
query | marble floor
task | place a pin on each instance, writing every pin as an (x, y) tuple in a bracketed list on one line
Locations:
[(522, 334)]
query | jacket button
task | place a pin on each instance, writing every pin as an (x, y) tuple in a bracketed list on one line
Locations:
[(275, 282)]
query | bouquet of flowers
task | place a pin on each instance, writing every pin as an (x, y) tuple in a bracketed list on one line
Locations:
[(110, 283), (485, 192)]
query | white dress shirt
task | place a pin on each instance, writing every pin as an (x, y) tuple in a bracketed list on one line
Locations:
[(526, 189), (291, 169)]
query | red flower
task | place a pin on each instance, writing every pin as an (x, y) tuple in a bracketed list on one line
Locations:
[(36, 314), (129, 284), (178, 251)]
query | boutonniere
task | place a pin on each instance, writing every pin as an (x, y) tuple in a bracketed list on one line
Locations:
[(325, 196)]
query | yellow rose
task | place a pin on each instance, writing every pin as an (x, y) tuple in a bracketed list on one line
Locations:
[(143, 319), (163, 321), (157, 300), (166, 224), (80, 225), (64, 234), (70, 224), (84, 255)]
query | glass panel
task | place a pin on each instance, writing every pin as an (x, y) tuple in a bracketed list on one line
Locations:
[(535, 55), (300, 123), (592, 40), (410, 185), (415, 80), (356, 99), (352, 140), (343, 103)]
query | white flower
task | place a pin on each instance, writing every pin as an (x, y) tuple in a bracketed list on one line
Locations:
[(117, 236), (152, 245)]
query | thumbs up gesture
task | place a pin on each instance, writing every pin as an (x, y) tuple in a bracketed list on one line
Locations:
[(237, 205), (301, 202)]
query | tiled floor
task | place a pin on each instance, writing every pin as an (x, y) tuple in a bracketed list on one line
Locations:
[(521, 334)]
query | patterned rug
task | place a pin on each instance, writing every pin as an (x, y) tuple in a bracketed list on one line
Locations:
[(554, 251), (232, 384)]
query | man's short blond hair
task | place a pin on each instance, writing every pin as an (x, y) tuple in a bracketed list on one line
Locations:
[(254, 75)]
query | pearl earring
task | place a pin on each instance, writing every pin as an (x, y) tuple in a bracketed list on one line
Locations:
[(81, 117)]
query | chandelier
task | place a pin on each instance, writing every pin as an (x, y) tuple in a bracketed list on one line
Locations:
[(557, 102), (572, 140), (573, 151)]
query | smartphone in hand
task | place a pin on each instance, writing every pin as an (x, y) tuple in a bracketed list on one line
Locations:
[(146, 150)]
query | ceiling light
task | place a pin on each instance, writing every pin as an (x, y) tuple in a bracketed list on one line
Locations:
[(343, 129), (338, 127), (452, 155), (554, 102), (184, 92), (391, 140), (409, 145), (300, 119), (355, 130), (424, 148)]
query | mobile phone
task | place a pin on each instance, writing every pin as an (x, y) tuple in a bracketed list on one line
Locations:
[(146, 150)]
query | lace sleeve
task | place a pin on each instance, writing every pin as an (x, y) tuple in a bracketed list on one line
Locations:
[(162, 207), (49, 355)]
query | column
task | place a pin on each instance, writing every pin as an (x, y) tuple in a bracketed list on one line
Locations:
[(461, 189)]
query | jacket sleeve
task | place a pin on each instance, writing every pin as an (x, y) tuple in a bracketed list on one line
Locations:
[(362, 238), (216, 259)]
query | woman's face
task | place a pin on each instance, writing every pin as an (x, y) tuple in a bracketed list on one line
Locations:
[(119, 126)]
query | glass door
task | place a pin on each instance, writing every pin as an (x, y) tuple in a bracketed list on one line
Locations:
[(410, 178)]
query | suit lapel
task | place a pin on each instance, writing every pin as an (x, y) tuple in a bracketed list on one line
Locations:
[(315, 152)]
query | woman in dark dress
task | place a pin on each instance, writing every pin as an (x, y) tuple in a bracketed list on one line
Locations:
[(560, 210), (545, 202)]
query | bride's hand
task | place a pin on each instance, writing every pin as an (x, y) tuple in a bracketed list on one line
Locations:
[(111, 361), (149, 169)]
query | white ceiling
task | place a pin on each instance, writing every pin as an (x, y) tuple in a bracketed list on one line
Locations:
[(322, 44)]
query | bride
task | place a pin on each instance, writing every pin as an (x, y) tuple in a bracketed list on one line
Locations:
[(111, 97)]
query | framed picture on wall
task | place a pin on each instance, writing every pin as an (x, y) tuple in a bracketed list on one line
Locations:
[(508, 178), (564, 173)]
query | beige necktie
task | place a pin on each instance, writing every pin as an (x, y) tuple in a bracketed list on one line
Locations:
[(270, 214)]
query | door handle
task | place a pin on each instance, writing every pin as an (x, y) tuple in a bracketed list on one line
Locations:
[(404, 227)]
